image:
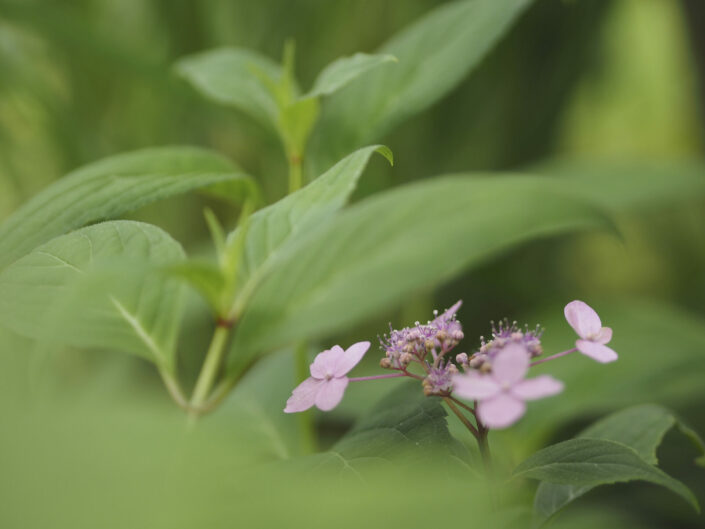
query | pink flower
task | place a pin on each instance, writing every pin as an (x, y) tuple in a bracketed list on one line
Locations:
[(326, 385), (593, 336), (502, 392)]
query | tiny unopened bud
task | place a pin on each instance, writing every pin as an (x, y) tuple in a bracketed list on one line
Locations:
[(458, 335), (462, 358), (452, 369), (516, 336), (406, 359), (429, 345), (485, 368), (442, 335), (385, 363)]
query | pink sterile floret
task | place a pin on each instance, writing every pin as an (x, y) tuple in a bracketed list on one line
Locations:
[(326, 385), (593, 336), (502, 392)]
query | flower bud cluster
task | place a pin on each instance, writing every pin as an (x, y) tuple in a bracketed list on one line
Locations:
[(439, 380), (504, 334), (413, 344)]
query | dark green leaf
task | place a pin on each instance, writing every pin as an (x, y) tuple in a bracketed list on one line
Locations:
[(587, 463), (641, 428)]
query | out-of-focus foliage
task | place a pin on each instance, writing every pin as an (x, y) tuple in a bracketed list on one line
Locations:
[(599, 95)]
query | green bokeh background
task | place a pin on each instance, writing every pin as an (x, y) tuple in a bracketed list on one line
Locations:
[(91, 440)]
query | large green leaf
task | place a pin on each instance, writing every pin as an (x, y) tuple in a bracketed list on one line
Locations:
[(342, 71), (271, 228), (111, 187), (388, 246), (434, 54), (592, 462), (239, 78), (623, 185), (94, 288), (640, 427)]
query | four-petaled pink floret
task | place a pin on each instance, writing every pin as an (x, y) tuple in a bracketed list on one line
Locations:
[(593, 336), (326, 385), (502, 392)]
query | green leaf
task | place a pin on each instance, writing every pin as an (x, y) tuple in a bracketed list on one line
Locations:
[(435, 54), (404, 419), (239, 78), (271, 228), (587, 463), (96, 287), (109, 188), (342, 71), (403, 424), (626, 185), (388, 246), (640, 427)]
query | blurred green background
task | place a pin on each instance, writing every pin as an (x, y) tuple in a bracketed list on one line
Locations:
[(591, 82)]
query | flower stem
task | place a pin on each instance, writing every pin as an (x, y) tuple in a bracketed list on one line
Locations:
[(553, 357), (376, 377), (211, 365), (462, 418), (307, 431)]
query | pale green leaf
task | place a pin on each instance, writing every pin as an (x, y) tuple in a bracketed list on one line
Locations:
[(344, 70), (593, 462), (239, 78), (387, 247), (109, 188), (435, 54), (97, 288), (271, 228)]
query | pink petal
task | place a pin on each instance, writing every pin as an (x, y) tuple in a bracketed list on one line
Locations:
[(511, 364), (331, 393), (350, 358), (304, 395), (596, 351), (474, 386), (537, 388), (583, 319), (501, 411), (604, 336), (325, 362), (448, 314)]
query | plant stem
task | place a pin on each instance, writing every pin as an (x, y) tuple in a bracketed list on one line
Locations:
[(174, 389), (463, 419), (210, 367), (295, 172), (552, 357), (307, 433)]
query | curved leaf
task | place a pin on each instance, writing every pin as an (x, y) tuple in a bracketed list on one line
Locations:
[(592, 462), (97, 287), (111, 187), (386, 247), (435, 54), (236, 77), (640, 427), (344, 70), (272, 228)]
